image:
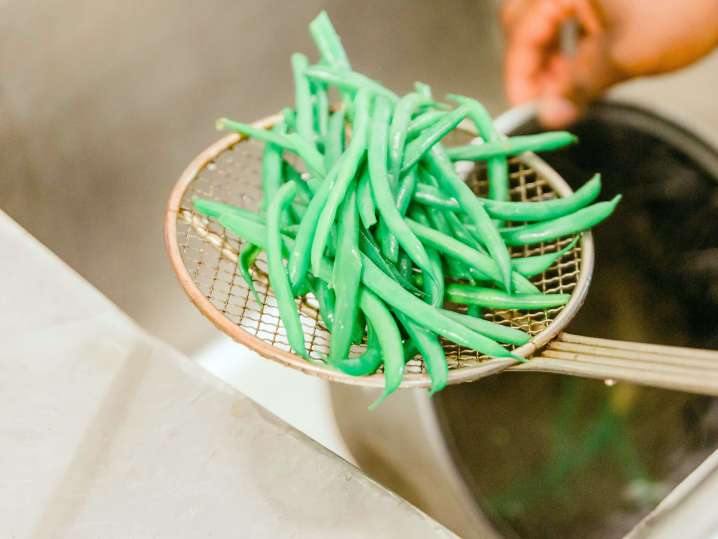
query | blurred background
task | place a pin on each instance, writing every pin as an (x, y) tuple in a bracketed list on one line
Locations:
[(103, 104)]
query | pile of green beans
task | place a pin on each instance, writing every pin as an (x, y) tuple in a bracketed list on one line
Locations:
[(382, 230)]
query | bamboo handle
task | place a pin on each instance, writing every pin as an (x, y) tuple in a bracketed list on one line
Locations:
[(671, 367)]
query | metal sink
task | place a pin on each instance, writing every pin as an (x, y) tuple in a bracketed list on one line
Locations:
[(529, 455)]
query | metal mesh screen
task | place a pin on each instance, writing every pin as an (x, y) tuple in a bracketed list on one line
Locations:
[(209, 253)]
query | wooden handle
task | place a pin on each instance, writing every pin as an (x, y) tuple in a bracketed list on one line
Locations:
[(671, 367)]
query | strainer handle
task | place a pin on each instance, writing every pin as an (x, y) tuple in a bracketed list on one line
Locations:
[(691, 370)]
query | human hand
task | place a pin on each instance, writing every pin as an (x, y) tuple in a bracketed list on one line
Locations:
[(619, 40)]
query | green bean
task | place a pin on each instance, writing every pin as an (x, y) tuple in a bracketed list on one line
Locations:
[(389, 338), (405, 192), (382, 192), (211, 208), (299, 260), (498, 170), (474, 311), (535, 265), (328, 42), (519, 211), (303, 98), (403, 112), (435, 296), (321, 116), (487, 233), (348, 166), (247, 256), (578, 221), (326, 299), (496, 299), (542, 142), (309, 154), (371, 250), (482, 263), (390, 244), (424, 121), (347, 80), (418, 147), (271, 170), (346, 276), (334, 146), (278, 278), (367, 210), (293, 143), (365, 364), (496, 331), (431, 352), (263, 135), (426, 315), (422, 89), (289, 118)]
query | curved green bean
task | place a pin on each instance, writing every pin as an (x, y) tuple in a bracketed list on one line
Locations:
[(247, 256), (299, 258), (389, 337), (271, 169), (278, 278), (346, 277), (496, 331), (321, 112), (212, 208), (418, 147), (365, 364), (567, 225), (423, 121), (535, 265), (293, 143), (334, 143), (308, 152), (347, 80), (328, 42), (326, 299), (519, 211), (302, 98), (367, 209), (431, 352), (348, 166), (542, 142), (498, 169), (403, 113), (390, 244), (496, 299)]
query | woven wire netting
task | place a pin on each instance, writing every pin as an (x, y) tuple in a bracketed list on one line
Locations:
[(209, 253)]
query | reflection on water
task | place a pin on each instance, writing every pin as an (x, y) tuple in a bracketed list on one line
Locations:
[(552, 456)]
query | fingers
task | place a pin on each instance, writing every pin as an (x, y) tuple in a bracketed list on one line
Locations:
[(535, 67), (532, 30)]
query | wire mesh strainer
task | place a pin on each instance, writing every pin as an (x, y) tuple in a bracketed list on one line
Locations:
[(203, 255)]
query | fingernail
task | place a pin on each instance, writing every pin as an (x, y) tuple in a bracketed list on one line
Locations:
[(557, 112)]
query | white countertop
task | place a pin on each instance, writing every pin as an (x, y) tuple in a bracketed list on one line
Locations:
[(109, 433)]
